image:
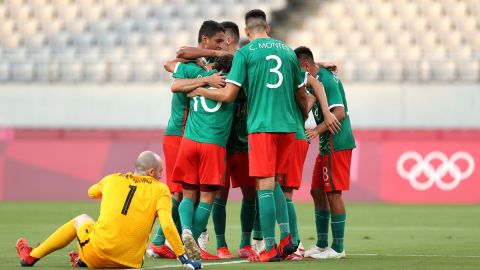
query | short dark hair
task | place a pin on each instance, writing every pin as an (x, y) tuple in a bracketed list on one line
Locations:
[(304, 53), (209, 29), (255, 14), (223, 64), (232, 29)]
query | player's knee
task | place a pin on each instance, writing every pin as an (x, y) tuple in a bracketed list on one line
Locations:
[(81, 219), (334, 195)]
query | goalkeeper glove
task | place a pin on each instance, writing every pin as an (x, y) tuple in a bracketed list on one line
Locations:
[(189, 264)]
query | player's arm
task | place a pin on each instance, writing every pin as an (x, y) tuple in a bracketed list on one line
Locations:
[(95, 191), (171, 65), (227, 94), (164, 213), (187, 85), (332, 123), (192, 53), (311, 99), (302, 101), (339, 113)]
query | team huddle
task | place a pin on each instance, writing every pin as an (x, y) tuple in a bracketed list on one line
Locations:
[(237, 120)]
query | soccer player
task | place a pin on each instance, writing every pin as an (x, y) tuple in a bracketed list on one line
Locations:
[(331, 174), (130, 204), (200, 163), (270, 72), (208, 40)]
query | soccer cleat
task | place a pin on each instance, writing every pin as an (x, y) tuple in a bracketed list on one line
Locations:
[(207, 256), (246, 252), (224, 253), (266, 256), (203, 240), (298, 254), (258, 245), (329, 253), (75, 260), (286, 247), (193, 251), (313, 250), (23, 251), (162, 251)]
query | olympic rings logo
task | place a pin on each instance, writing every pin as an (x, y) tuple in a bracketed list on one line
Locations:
[(435, 175)]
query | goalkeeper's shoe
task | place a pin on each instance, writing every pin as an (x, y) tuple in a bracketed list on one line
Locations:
[(267, 256), (23, 251), (75, 260), (160, 251), (191, 247), (189, 264), (286, 247), (246, 252), (329, 253)]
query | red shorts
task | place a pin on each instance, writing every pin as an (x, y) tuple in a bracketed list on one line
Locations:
[(199, 163), (269, 153), (171, 145), (293, 177), (332, 171), (237, 171)]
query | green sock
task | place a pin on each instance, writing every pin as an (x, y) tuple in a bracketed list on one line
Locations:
[(292, 218), (176, 216), (257, 228), (281, 211), (247, 218), (186, 211), (338, 231), (322, 218), (159, 237), (200, 218), (219, 216), (266, 202)]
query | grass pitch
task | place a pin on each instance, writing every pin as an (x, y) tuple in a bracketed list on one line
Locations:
[(378, 236)]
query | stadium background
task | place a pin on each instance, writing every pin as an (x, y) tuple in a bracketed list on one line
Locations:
[(83, 91)]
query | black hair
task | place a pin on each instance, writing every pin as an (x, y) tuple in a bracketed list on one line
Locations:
[(223, 64), (232, 29), (209, 29), (255, 14), (304, 53)]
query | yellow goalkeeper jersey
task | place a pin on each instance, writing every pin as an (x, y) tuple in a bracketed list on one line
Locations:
[(128, 210)]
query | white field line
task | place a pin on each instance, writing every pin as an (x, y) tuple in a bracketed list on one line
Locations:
[(389, 228), (353, 255)]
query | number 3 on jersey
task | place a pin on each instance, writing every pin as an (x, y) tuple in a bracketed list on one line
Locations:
[(275, 70)]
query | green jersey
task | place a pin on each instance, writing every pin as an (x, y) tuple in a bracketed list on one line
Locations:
[(178, 114), (335, 97), (238, 140), (208, 121), (270, 70)]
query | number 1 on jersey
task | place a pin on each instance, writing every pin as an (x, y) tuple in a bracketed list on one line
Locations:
[(128, 200), (275, 70)]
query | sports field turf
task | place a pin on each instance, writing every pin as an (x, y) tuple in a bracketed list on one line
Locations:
[(378, 236)]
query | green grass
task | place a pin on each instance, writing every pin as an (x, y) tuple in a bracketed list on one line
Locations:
[(400, 236)]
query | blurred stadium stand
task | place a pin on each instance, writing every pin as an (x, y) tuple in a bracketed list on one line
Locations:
[(128, 40)]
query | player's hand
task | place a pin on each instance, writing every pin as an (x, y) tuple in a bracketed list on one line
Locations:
[(332, 67), (193, 93), (332, 123), (188, 263), (216, 80), (312, 133)]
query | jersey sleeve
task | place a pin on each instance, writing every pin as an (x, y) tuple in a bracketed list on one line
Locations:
[(95, 191), (238, 72), (164, 213), (180, 71), (330, 84)]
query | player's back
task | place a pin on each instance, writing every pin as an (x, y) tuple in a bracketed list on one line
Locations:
[(127, 213), (273, 75)]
